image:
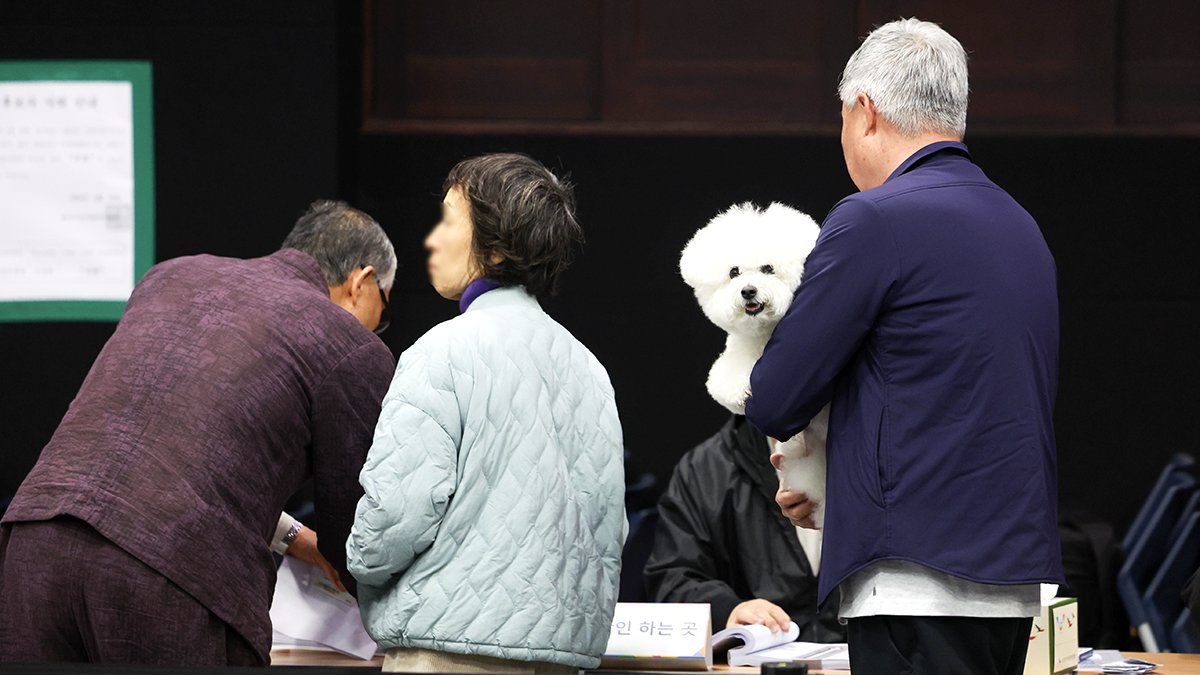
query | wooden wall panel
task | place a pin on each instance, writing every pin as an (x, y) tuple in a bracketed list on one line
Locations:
[(497, 60), (1106, 67), (770, 61), (1034, 65), (1159, 77)]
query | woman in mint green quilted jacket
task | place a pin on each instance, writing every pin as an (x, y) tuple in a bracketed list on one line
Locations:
[(489, 535)]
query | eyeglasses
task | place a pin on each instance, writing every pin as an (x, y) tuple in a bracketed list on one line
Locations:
[(385, 318)]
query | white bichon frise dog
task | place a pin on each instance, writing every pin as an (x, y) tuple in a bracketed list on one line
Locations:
[(745, 265)]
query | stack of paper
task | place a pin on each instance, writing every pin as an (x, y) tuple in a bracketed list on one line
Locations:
[(308, 612), (816, 655)]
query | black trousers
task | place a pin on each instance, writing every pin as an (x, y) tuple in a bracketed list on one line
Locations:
[(942, 645)]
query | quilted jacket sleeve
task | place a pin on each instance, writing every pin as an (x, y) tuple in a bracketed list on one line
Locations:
[(410, 472)]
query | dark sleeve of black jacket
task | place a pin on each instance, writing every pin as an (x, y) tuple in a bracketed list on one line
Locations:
[(688, 563), (722, 540)]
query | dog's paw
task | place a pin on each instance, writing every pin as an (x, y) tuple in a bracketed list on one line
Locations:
[(732, 398), (739, 402), (737, 407)]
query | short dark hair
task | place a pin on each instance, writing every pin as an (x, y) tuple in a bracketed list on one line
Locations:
[(521, 211), (342, 238)]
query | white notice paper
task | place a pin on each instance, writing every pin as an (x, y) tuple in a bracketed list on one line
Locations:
[(659, 636), (66, 183), (309, 613)]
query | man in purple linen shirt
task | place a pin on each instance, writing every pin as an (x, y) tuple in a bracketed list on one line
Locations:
[(141, 535)]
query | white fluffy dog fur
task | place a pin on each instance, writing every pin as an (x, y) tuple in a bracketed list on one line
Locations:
[(745, 265)]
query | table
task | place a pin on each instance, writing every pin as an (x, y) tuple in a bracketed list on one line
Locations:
[(312, 657), (1172, 664)]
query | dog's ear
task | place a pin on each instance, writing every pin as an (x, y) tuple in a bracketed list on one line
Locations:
[(703, 261), (793, 235), (706, 258), (689, 261)]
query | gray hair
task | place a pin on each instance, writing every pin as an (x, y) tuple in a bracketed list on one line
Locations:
[(342, 238), (916, 75)]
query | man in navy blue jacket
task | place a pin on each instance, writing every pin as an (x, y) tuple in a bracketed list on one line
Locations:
[(928, 316)]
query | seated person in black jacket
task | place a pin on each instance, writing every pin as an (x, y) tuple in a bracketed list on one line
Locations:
[(721, 539)]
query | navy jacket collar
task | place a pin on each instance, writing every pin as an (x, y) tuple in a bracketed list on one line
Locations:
[(931, 149)]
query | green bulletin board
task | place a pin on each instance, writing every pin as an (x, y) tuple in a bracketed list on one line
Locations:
[(77, 187)]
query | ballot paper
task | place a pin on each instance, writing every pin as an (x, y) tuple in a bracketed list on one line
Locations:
[(308, 612), (1111, 661)]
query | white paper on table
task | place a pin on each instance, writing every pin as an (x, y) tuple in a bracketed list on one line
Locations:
[(1110, 661), (309, 612)]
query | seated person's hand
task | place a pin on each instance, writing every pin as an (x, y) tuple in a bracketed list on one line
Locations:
[(759, 611), (796, 507), (304, 547)]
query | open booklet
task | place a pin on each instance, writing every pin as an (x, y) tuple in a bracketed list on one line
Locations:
[(755, 644)]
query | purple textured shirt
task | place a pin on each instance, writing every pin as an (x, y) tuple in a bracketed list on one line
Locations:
[(225, 385)]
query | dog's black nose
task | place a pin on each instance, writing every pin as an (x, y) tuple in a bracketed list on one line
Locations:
[(749, 292)]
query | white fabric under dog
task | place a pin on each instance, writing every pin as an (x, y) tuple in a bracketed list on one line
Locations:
[(810, 541)]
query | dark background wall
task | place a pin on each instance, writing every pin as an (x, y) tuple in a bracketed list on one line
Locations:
[(247, 116), (262, 107)]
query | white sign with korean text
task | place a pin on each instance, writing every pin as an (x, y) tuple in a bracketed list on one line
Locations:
[(660, 636), (66, 182)]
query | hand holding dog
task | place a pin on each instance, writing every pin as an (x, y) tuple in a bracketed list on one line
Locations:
[(796, 506), (759, 611)]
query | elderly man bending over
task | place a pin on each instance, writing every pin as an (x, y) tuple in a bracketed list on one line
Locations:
[(225, 385)]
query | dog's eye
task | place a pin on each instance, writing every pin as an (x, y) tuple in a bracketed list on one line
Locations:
[(733, 272), (767, 269)]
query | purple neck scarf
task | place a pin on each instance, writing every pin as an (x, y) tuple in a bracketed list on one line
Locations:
[(474, 290)]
